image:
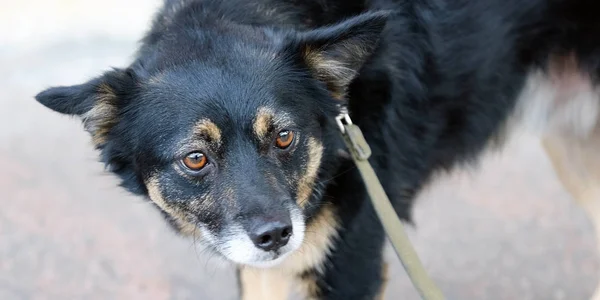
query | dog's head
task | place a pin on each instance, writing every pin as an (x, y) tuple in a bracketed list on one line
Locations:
[(227, 128)]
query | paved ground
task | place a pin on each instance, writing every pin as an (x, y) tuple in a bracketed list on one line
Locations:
[(505, 231)]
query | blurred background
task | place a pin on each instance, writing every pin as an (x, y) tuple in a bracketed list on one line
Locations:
[(506, 230)]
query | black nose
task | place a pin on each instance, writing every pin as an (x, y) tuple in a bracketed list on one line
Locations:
[(271, 235)]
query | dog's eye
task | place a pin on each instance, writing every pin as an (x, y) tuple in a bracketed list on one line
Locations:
[(195, 161), (284, 139)]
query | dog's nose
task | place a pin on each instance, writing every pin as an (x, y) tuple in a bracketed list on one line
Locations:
[(271, 235)]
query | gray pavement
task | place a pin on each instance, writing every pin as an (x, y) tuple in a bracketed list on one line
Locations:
[(504, 230)]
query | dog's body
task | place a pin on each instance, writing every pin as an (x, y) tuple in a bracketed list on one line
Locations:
[(225, 120)]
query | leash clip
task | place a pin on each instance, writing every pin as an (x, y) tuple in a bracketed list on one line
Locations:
[(355, 140), (342, 117)]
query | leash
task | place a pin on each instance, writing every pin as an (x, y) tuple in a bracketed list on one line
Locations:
[(394, 228)]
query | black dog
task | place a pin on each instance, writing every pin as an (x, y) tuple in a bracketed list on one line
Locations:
[(225, 119)]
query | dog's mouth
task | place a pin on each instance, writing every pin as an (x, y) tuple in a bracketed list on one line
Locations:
[(235, 245)]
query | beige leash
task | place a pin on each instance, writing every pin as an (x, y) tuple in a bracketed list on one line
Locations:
[(394, 228)]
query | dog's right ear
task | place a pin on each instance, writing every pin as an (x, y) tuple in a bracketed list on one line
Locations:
[(96, 102)]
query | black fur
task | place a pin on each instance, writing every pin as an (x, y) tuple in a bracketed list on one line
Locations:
[(436, 81)]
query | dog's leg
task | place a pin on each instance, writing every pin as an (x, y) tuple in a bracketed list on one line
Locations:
[(384, 277), (263, 284), (562, 104), (576, 161)]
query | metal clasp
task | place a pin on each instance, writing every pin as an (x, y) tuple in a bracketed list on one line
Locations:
[(343, 117), (353, 136)]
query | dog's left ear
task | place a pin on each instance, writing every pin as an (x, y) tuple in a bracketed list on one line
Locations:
[(336, 53), (96, 102)]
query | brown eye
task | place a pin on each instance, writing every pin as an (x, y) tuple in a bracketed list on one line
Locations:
[(284, 139), (195, 161)]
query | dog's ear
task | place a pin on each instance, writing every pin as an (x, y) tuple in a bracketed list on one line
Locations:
[(96, 102), (336, 53)]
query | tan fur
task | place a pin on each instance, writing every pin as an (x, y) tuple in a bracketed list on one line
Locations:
[(262, 122), (562, 99), (208, 129), (328, 68), (577, 165), (317, 244), (562, 105), (99, 120), (266, 120), (306, 182), (334, 73), (385, 277), (155, 195), (309, 288), (264, 284)]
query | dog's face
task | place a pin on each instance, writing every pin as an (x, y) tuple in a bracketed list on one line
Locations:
[(229, 131)]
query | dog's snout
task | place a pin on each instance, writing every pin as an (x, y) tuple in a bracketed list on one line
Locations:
[(270, 235)]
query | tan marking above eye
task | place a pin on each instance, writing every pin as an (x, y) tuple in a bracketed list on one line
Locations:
[(208, 129), (263, 121), (284, 139), (195, 161)]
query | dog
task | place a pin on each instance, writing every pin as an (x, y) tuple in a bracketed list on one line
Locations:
[(225, 120)]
